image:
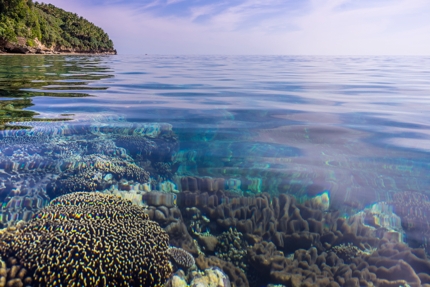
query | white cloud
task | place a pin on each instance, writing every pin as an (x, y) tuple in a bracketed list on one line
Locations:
[(263, 27), (202, 11), (367, 30), (173, 1)]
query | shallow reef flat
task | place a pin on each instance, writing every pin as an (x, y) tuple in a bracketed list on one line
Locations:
[(50, 159), (100, 203)]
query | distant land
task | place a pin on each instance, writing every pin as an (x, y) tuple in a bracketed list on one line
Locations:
[(28, 27)]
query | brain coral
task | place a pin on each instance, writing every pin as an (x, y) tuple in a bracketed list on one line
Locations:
[(91, 239), (181, 257)]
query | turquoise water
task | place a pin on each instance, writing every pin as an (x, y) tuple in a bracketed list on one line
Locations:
[(352, 130), (355, 126)]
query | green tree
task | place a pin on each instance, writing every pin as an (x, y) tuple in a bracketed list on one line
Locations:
[(51, 25)]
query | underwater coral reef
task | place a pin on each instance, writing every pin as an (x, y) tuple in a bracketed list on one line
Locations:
[(89, 239), (102, 204), (48, 160)]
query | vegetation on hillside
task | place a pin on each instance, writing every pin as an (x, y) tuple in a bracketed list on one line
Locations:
[(52, 26)]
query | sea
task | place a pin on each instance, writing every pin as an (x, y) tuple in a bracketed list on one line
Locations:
[(352, 130)]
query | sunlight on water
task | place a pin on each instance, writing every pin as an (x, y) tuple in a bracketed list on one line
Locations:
[(343, 133), (331, 123)]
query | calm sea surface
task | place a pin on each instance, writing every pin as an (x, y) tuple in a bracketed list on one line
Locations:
[(358, 127)]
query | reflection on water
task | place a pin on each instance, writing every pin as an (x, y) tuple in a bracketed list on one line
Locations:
[(49, 76), (337, 133), (12, 113), (357, 127)]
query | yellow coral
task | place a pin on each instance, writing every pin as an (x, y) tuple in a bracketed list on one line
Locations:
[(91, 239)]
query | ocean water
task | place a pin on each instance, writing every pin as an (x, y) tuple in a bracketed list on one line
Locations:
[(356, 129), (355, 126)]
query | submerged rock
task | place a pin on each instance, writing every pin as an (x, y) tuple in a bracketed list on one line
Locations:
[(210, 277), (176, 281)]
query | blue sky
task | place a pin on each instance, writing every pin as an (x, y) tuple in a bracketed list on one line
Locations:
[(292, 27)]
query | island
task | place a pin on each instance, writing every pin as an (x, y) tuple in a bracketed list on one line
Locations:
[(28, 27)]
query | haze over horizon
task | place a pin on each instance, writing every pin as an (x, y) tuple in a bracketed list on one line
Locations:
[(270, 27)]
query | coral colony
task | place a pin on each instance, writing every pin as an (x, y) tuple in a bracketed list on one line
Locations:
[(89, 239), (102, 204)]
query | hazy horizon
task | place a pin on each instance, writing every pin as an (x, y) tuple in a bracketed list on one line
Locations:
[(253, 27)]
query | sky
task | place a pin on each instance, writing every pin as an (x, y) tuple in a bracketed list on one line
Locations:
[(261, 27)]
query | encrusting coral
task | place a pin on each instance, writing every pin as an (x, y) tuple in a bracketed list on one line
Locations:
[(88, 172), (298, 244), (289, 225), (171, 220), (391, 264), (90, 239)]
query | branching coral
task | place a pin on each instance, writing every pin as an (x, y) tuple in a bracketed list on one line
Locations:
[(347, 252), (232, 247)]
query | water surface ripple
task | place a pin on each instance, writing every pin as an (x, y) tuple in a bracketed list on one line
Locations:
[(355, 126)]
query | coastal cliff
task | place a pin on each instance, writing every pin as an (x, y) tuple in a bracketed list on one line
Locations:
[(37, 28)]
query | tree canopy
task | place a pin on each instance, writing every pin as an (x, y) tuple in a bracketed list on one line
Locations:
[(52, 26)]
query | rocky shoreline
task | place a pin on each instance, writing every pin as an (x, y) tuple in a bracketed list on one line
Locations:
[(20, 48)]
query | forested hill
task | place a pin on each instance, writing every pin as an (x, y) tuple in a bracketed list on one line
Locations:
[(32, 27)]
